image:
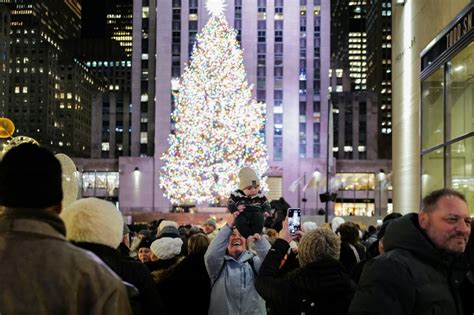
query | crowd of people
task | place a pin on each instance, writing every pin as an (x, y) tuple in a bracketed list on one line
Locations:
[(83, 259)]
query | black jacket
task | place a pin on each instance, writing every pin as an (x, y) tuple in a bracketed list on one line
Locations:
[(130, 271), (321, 287), (412, 277)]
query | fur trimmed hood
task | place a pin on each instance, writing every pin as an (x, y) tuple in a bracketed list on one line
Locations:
[(93, 220)]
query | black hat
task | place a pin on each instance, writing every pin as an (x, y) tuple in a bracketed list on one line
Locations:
[(145, 242), (30, 177)]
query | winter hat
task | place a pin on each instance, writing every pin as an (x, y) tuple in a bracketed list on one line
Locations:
[(30, 177), (164, 223), (166, 247), (211, 221), (93, 220), (168, 231), (309, 226), (336, 222), (248, 177), (317, 245), (144, 243)]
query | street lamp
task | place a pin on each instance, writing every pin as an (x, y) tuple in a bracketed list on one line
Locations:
[(381, 176)]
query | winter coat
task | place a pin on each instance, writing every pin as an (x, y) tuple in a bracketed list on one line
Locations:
[(351, 255), (42, 273), (252, 203), (167, 287), (412, 277), (233, 290), (190, 276), (132, 272), (466, 290), (321, 287)]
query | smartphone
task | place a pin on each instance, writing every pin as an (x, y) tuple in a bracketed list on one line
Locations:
[(294, 220)]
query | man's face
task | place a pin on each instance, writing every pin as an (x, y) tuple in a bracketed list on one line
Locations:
[(448, 225), (251, 191), (144, 254), (236, 244)]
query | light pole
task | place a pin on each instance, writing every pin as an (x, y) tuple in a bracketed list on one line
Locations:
[(380, 178)]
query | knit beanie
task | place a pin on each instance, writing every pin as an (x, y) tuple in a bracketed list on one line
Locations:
[(165, 223), (318, 244), (211, 221), (30, 177), (248, 177), (166, 247), (93, 220), (168, 231)]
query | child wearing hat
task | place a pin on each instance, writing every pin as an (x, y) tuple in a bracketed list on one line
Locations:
[(248, 204)]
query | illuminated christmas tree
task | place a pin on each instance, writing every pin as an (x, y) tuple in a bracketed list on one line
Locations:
[(218, 126)]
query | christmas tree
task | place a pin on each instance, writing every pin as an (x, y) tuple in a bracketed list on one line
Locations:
[(218, 126)]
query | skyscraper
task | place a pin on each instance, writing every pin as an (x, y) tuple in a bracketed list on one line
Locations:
[(49, 89), (4, 57), (363, 159), (379, 69)]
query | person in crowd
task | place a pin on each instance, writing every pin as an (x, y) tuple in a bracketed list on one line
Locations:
[(165, 254), (373, 250), (97, 226), (271, 235), (169, 229), (309, 226), (165, 258), (280, 210), (40, 271), (466, 288), (191, 273), (210, 228), (369, 236), (232, 270), (422, 265), (357, 270), (124, 246), (352, 251), (250, 202), (320, 286), (144, 251)]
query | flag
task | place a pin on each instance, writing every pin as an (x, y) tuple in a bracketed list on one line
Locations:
[(293, 186), (314, 181)]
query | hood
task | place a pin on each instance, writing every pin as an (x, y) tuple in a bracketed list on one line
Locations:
[(405, 233), (323, 277)]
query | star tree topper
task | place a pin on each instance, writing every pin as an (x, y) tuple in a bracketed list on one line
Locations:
[(215, 7)]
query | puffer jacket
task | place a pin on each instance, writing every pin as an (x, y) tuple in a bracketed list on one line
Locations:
[(42, 273), (233, 291), (321, 287), (412, 277)]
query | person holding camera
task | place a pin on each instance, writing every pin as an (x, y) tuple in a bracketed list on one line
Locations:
[(319, 286)]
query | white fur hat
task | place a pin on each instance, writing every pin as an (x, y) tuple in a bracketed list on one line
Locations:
[(93, 220), (309, 226), (166, 247), (336, 222)]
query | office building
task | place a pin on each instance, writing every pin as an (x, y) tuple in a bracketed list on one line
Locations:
[(4, 57)]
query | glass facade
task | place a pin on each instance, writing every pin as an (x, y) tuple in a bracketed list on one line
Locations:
[(447, 125)]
